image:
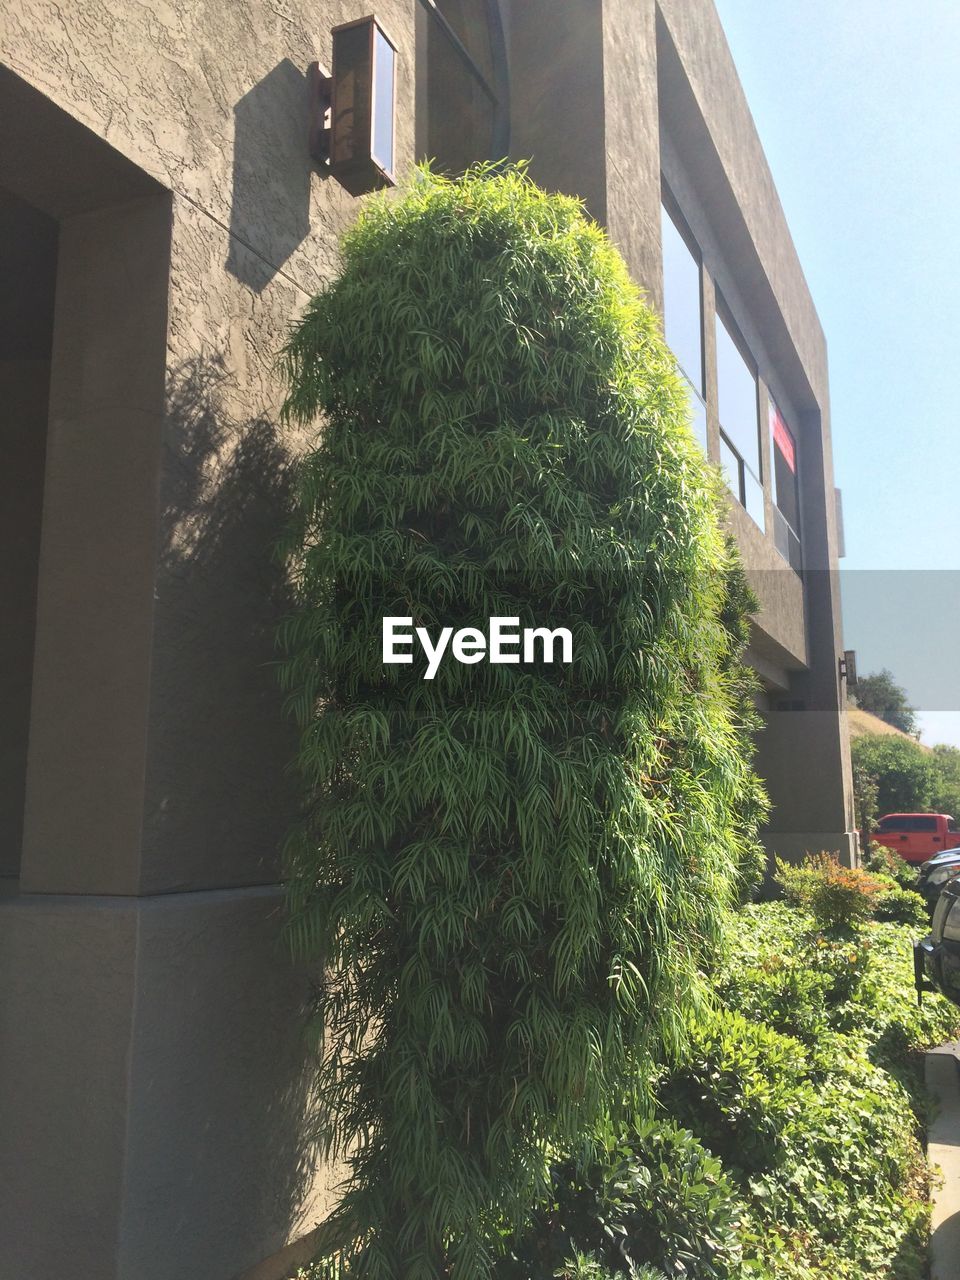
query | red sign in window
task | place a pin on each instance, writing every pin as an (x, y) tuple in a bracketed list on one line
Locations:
[(783, 439)]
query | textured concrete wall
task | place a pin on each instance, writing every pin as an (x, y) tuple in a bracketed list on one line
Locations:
[(556, 97), (208, 98), (68, 977), (154, 1079), (158, 1123), (631, 139)]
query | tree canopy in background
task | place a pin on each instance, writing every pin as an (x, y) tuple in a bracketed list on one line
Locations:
[(880, 694), (908, 778), (514, 874)]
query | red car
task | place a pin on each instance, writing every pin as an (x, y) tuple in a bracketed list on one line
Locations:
[(917, 836)]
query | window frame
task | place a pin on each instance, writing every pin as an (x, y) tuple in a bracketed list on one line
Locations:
[(497, 87), (724, 316), (670, 206)]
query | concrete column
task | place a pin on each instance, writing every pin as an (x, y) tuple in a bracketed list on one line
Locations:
[(85, 771), (23, 424), (632, 140)]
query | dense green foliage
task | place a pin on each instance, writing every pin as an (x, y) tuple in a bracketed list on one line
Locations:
[(742, 681), (514, 874), (880, 694), (654, 1198), (794, 1121), (946, 784), (785, 971), (903, 772), (894, 775), (814, 1139)]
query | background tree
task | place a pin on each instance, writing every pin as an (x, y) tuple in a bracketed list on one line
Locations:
[(905, 775), (882, 696), (514, 874), (946, 785)]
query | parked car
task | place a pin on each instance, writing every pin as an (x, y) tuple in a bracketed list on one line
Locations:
[(936, 959), (917, 836), (935, 873)]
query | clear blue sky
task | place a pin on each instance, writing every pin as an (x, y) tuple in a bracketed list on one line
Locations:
[(857, 103)]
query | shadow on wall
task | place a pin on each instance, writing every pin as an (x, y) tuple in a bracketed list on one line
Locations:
[(221, 799), (220, 796), (272, 169)]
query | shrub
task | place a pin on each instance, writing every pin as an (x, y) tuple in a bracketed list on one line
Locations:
[(657, 1202), (768, 943), (814, 1142), (901, 906), (738, 606), (887, 862), (738, 1091), (836, 896), (514, 874)]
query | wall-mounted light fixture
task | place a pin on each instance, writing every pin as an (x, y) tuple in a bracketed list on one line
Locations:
[(848, 668), (353, 110)]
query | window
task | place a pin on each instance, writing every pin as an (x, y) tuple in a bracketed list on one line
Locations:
[(683, 312), (951, 824), (739, 421), (786, 493), (951, 932), (891, 824), (462, 109), (908, 823)]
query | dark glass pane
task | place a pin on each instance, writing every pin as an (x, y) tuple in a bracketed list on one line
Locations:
[(951, 927), (384, 60), (351, 125), (785, 488), (737, 395), (730, 466), (682, 313), (925, 824), (457, 110), (893, 824)]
